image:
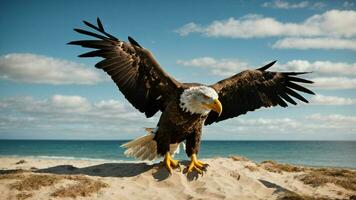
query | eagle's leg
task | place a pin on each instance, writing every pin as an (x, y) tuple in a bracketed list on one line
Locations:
[(170, 162), (199, 166), (192, 148)]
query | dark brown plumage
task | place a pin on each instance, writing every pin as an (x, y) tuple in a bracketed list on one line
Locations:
[(134, 70), (253, 89), (149, 89)]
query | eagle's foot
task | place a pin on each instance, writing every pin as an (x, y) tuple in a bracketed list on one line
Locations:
[(197, 165), (170, 162)]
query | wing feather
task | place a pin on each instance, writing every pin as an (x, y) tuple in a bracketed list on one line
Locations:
[(84, 32), (287, 98), (133, 68), (299, 88), (253, 89), (100, 53), (296, 95), (296, 79)]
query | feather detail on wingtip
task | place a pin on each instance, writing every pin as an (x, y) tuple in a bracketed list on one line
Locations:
[(264, 68), (100, 25), (133, 42)]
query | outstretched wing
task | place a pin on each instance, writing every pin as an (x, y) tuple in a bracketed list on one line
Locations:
[(133, 68), (253, 89)]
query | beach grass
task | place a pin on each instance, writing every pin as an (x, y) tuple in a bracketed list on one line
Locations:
[(28, 183), (274, 166), (316, 176), (84, 187), (321, 176)]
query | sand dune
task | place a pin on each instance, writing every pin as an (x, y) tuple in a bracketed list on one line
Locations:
[(226, 178)]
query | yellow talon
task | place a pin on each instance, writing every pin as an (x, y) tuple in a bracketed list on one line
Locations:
[(169, 162), (196, 164)]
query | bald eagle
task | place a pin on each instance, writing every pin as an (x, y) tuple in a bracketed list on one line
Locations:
[(185, 107)]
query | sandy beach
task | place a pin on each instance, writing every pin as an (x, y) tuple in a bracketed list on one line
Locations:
[(226, 178)]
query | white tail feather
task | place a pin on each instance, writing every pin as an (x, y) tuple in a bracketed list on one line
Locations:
[(145, 147), (142, 148)]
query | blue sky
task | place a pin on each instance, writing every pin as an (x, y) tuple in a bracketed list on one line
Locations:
[(47, 92)]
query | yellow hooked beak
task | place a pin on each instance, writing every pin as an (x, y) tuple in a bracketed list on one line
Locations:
[(215, 106)]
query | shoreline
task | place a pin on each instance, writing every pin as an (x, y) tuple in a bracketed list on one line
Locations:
[(314, 154), (226, 178), (153, 162)]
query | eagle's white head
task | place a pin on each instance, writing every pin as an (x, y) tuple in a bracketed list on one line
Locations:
[(200, 100)]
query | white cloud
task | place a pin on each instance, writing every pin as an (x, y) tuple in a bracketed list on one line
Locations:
[(332, 100), (315, 43), (249, 26), (334, 82), (333, 29), (110, 105), (70, 103), (266, 123), (333, 23), (189, 28), (71, 115), (219, 67), (288, 5), (319, 67), (32, 68), (335, 120)]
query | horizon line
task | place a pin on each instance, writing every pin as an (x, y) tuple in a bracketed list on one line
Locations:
[(213, 140)]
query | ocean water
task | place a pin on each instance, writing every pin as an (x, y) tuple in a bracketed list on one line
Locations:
[(311, 153)]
